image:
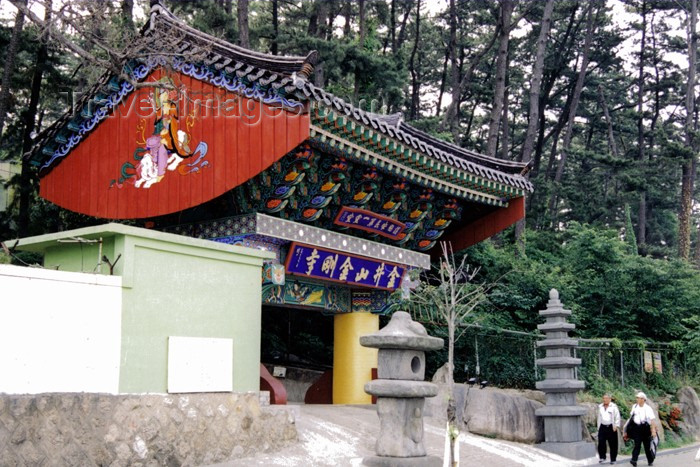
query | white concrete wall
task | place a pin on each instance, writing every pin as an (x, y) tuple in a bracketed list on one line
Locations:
[(59, 331)]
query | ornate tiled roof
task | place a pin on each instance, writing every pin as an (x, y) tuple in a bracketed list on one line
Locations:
[(283, 79), (499, 170), (229, 57)]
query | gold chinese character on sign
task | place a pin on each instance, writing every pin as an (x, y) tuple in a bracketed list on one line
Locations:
[(363, 274), (311, 261), (328, 265), (393, 275), (345, 269), (378, 274)]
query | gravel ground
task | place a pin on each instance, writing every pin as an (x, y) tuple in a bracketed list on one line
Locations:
[(341, 435)]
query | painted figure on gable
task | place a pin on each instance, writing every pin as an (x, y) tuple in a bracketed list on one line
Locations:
[(169, 145)]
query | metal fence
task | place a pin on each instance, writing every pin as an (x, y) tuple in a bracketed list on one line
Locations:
[(507, 358)]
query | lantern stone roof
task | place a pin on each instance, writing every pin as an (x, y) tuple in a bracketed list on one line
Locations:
[(283, 80)]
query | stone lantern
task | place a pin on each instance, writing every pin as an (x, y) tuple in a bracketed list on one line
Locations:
[(401, 391), (563, 428)]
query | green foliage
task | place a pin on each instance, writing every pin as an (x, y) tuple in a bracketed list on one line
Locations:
[(662, 384), (507, 369), (630, 237), (692, 341), (615, 294), (27, 258)]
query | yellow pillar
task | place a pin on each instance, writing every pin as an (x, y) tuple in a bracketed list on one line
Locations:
[(352, 363)]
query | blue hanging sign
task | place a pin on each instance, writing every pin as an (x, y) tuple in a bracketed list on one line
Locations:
[(369, 222), (320, 263)]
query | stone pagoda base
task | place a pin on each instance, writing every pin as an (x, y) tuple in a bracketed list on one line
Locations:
[(423, 461), (576, 451)]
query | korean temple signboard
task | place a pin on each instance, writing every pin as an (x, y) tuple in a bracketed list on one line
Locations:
[(331, 265), (369, 222)]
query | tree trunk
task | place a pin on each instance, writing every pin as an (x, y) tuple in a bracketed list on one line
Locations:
[(363, 22), (274, 48), (29, 119), (330, 20), (504, 142), (642, 214), (536, 83), (451, 412), (228, 7), (392, 26), (556, 131), (415, 82), (348, 16), (551, 79), (362, 26), (650, 139), (572, 114), (612, 144), (535, 86), (243, 32), (442, 81), (689, 166), (450, 118), (402, 30), (9, 67), (470, 120), (453, 122), (318, 26), (128, 14), (501, 62), (696, 259)]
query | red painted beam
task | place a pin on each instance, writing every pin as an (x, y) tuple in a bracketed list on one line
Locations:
[(321, 392), (487, 226), (278, 393)]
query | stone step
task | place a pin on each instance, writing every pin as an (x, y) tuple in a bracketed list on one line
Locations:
[(555, 312), (399, 388), (560, 385), (557, 343), (560, 327), (560, 411), (558, 362)]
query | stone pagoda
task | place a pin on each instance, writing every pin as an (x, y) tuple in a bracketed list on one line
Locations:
[(563, 428), (401, 392)]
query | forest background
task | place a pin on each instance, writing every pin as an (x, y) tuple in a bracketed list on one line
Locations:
[(598, 97)]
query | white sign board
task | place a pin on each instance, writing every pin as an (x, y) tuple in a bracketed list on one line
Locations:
[(59, 331), (200, 364)]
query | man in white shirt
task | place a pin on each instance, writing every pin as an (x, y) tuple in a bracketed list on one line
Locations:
[(641, 429), (608, 421)]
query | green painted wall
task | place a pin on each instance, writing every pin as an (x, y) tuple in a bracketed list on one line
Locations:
[(79, 257), (177, 291), (172, 286)]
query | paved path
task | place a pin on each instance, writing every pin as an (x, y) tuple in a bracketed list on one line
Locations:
[(342, 435), (682, 457)]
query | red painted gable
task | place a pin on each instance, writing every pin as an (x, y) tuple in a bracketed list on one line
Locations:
[(164, 150)]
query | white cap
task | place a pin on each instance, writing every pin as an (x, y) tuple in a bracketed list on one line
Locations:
[(642, 395)]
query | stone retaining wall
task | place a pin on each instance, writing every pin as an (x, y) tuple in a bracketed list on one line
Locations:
[(138, 430)]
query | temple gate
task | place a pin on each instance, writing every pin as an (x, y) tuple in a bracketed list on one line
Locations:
[(240, 147)]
